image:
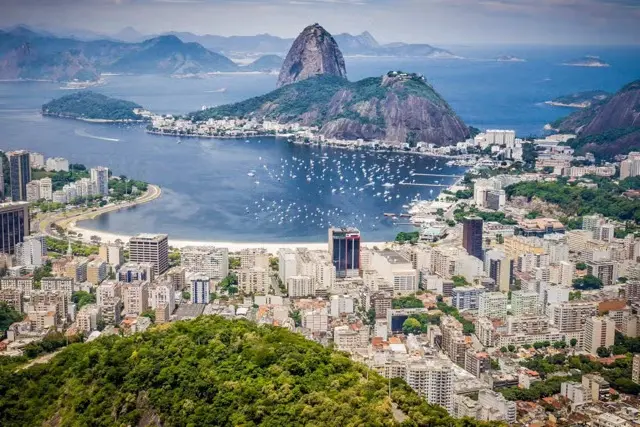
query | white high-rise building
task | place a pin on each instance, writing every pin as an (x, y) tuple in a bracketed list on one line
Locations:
[(300, 286), (598, 332), (254, 280), (33, 191), (57, 164), (496, 401), (162, 293), (46, 188), (492, 305), (341, 304), (524, 303), (567, 270), (287, 264), (31, 251), (211, 261), (100, 180), (36, 160), (136, 297), (200, 290), (433, 380), (631, 166), (397, 270)]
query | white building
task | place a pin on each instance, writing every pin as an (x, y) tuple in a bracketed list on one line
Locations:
[(496, 401), (200, 288), (135, 297), (524, 303), (31, 251), (36, 160), (396, 269), (466, 297), (211, 261), (287, 264), (433, 380), (100, 180), (162, 293), (300, 286), (492, 305), (254, 280), (598, 332), (56, 164), (341, 304)]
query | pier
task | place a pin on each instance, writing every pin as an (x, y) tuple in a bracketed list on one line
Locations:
[(436, 174), (424, 185)]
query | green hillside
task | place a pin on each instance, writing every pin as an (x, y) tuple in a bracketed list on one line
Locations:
[(207, 372), (91, 105)]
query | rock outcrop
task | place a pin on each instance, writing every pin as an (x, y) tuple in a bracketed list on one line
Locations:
[(396, 108), (313, 52), (609, 127)]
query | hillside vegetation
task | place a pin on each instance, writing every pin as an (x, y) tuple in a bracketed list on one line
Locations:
[(397, 107), (91, 105), (207, 372)]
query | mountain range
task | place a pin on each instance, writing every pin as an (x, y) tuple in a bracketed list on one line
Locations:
[(313, 90), (26, 53), (609, 126)]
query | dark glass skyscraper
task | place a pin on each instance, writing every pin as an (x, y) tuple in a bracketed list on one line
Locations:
[(19, 174), (344, 248), (14, 225), (472, 236)]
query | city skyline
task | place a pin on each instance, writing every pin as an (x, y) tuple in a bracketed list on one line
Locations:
[(555, 22)]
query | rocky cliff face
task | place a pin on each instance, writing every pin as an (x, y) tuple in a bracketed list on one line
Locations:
[(396, 108), (608, 128), (621, 111), (314, 52)]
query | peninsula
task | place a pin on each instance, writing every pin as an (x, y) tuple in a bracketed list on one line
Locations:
[(580, 99), (93, 107), (398, 109)]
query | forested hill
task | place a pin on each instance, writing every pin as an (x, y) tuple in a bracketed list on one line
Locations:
[(91, 105), (207, 372)]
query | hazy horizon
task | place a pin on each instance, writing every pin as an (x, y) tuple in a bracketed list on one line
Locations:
[(444, 22)]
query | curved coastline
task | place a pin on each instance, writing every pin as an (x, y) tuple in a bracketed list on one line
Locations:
[(69, 222)]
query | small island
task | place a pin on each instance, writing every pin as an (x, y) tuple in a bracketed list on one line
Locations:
[(586, 61), (509, 58), (580, 99), (94, 107)]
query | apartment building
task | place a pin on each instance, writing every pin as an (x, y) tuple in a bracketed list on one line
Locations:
[(492, 305), (153, 248), (598, 332)]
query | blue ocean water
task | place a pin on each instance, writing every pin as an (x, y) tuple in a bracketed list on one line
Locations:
[(294, 192)]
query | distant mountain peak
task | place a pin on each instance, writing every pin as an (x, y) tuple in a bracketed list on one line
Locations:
[(313, 52)]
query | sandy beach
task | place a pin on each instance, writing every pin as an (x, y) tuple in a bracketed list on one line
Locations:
[(272, 248)]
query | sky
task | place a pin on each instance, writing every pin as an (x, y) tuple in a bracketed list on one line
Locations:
[(556, 22)]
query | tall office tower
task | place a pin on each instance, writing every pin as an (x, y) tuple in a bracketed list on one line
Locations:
[(153, 248), (344, 250), (214, 262), (14, 225), (472, 236), (100, 180), (19, 174), (598, 332)]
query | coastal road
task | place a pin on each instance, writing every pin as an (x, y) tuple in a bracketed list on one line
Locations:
[(68, 219)]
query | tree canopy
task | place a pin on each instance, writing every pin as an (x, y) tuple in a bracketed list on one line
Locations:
[(208, 371)]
